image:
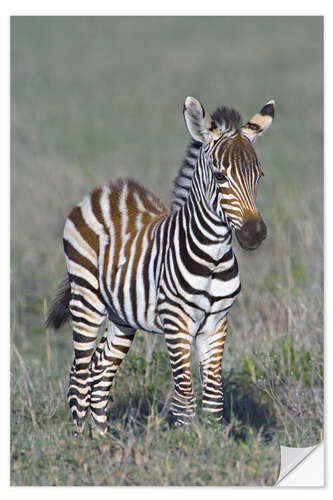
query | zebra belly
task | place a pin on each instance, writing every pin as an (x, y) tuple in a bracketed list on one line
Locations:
[(148, 321), (140, 316), (152, 325)]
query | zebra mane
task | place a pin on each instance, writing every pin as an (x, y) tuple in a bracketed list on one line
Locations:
[(230, 121), (227, 118)]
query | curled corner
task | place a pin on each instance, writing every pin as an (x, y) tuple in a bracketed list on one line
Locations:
[(309, 474)]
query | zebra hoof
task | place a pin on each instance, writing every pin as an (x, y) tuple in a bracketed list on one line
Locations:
[(214, 420), (178, 421), (99, 430), (79, 426)]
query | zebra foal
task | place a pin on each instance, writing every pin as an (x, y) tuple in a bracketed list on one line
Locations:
[(139, 265)]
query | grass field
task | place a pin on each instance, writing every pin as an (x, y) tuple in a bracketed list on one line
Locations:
[(94, 99)]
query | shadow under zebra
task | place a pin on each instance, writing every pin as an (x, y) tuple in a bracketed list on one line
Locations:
[(246, 408)]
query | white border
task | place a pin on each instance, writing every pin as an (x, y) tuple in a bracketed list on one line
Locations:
[(172, 7)]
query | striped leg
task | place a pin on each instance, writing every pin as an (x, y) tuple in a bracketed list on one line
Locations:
[(210, 351), (179, 348), (110, 352), (87, 317)]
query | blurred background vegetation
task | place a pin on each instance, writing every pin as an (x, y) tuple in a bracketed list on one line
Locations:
[(93, 99)]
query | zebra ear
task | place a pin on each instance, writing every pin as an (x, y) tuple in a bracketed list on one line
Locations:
[(199, 124), (260, 122)]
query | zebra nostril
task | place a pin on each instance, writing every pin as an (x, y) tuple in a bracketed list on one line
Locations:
[(247, 229)]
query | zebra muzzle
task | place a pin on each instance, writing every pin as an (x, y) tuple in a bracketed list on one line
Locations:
[(252, 234)]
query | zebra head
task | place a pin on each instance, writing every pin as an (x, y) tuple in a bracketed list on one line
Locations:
[(228, 146)]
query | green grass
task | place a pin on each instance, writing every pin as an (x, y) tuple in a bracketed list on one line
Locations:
[(94, 99)]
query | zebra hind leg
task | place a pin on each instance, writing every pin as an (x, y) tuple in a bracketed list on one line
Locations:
[(86, 319), (107, 358)]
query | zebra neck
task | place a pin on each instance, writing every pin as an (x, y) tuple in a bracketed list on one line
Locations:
[(203, 222), (197, 202), (196, 233)]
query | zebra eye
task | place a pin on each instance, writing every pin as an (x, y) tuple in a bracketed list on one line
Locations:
[(220, 177)]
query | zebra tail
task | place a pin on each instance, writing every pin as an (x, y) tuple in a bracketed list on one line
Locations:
[(59, 313)]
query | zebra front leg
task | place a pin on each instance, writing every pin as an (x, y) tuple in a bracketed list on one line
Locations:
[(110, 352), (210, 351), (179, 348)]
